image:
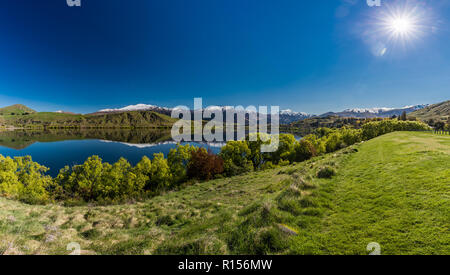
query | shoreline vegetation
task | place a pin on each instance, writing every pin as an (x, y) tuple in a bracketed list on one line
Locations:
[(104, 183)]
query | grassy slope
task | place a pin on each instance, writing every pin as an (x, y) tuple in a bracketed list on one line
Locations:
[(17, 109), (395, 191), (113, 120), (440, 111)]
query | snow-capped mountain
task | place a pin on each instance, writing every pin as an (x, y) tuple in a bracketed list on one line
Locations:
[(286, 116), (369, 110), (138, 107), (375, 112)]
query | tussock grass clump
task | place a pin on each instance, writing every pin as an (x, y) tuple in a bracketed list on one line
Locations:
[(275, 187), (208, 245), (288, 171), (258, 241), (326, 173), (258, 233), (301, 183), (165, 220), (91, 234), (290, 205)]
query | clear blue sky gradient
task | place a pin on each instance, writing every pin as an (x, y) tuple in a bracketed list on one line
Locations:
[(310, 56)]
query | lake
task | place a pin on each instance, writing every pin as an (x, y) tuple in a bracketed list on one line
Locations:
[(57, 148)]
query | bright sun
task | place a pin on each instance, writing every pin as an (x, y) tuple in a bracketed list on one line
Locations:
[(402, 25), (399, 26)]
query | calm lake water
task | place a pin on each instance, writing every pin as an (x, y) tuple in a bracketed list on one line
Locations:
[(58, 148), (55, 149)]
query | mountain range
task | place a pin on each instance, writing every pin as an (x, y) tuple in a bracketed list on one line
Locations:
[(287, 116), (375, 112), (143, 115)]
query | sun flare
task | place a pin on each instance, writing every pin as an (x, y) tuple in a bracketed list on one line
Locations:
[(402, 25)]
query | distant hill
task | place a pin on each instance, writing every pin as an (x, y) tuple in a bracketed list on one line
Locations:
[(134, 119), (17, 109), (437, 112), (374, 112)]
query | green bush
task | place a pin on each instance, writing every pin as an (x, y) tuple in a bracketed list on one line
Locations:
[(236, 157), (268, 165), (24, 180), (304, 150), (178, 160), (374, 129)]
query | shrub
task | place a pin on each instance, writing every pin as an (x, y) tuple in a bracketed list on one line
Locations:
[(25, 180), (374, 129), (204, 165), (268, 165), (160, 172), (231, 169), (236, 156), (254, 142), (318, 143), (285, 151), (304, 150), (82, 180), (326, 172), (98, 181), (9, 182), (178, 160), (143, 172)]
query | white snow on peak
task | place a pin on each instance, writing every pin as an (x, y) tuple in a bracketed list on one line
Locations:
[(378, 110), (369, 110), (137, 107), (292, 113)]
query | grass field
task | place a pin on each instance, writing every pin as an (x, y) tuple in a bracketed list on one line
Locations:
[(393, 190)]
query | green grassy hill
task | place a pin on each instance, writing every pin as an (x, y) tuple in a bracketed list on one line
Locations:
[(17, 109), (393, 190), (137, 119), (437, 112)]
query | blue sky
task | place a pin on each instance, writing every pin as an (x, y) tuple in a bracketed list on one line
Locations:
[(311, 56)]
